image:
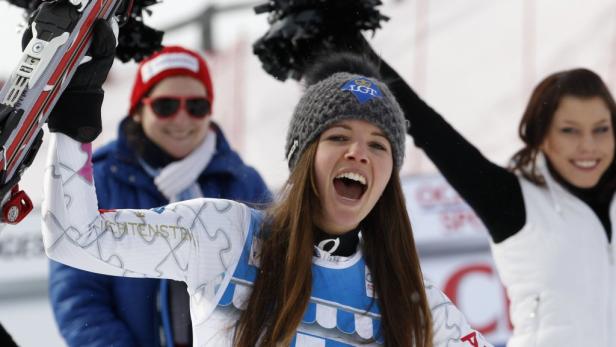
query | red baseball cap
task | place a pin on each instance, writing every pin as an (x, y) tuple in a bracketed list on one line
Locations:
[(170, 61)]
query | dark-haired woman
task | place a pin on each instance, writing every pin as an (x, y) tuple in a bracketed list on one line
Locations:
[(332, 263), (551, 214)]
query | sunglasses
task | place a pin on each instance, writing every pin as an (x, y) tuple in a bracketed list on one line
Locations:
[(169, 106)]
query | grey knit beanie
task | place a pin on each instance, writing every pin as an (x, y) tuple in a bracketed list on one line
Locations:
[(345, 96)]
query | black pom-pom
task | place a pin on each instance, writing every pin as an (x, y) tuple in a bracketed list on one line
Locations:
[(328, 63), (301, 28)]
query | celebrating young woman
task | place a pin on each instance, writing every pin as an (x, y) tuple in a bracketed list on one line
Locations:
[(550, 214), (332, 263)]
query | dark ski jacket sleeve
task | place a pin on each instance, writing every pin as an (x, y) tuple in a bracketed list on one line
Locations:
[(83, 306), (492, 191), (5, 338)]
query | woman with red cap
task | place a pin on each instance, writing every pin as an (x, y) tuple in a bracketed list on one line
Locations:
[(168, 149)]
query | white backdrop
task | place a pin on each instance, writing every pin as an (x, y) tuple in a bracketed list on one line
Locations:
[(475, 61)]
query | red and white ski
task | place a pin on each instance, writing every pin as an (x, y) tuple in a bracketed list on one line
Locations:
[(62, 32)]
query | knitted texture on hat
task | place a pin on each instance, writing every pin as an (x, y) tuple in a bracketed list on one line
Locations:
[(345, 96), (168, 62)]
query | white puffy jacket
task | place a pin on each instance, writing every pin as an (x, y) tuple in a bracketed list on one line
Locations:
[(559, 271)]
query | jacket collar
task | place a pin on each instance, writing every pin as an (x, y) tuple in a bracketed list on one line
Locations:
[(555, 190)]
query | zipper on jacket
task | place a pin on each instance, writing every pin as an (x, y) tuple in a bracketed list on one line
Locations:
[(610, 300), (534, 315)]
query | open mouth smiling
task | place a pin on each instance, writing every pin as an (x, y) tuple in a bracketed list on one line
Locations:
[(350, 185)]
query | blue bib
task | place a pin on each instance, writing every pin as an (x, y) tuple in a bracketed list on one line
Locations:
[(342, 298)]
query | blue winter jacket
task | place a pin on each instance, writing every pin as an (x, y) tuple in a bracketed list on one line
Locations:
[(98, 310)]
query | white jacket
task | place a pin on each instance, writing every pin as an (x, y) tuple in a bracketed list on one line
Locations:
[(559, 271), (210, 245)]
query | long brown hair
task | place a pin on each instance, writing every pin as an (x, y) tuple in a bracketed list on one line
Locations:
[(391, 255), (283, 287), (540, 110)]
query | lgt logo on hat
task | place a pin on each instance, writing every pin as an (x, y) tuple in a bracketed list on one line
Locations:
[(363, 89)]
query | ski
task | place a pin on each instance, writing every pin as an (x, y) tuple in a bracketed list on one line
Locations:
[(62, 31)]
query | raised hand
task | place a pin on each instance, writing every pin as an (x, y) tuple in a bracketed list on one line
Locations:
[(77, 112)]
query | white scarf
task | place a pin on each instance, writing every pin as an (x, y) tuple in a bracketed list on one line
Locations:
[(178, 180)]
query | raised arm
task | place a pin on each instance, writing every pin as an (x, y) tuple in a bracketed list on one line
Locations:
[(196, 241), (493, 192)]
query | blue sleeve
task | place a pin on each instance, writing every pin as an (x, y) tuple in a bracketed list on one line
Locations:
[(82, 304), (256, 191)]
